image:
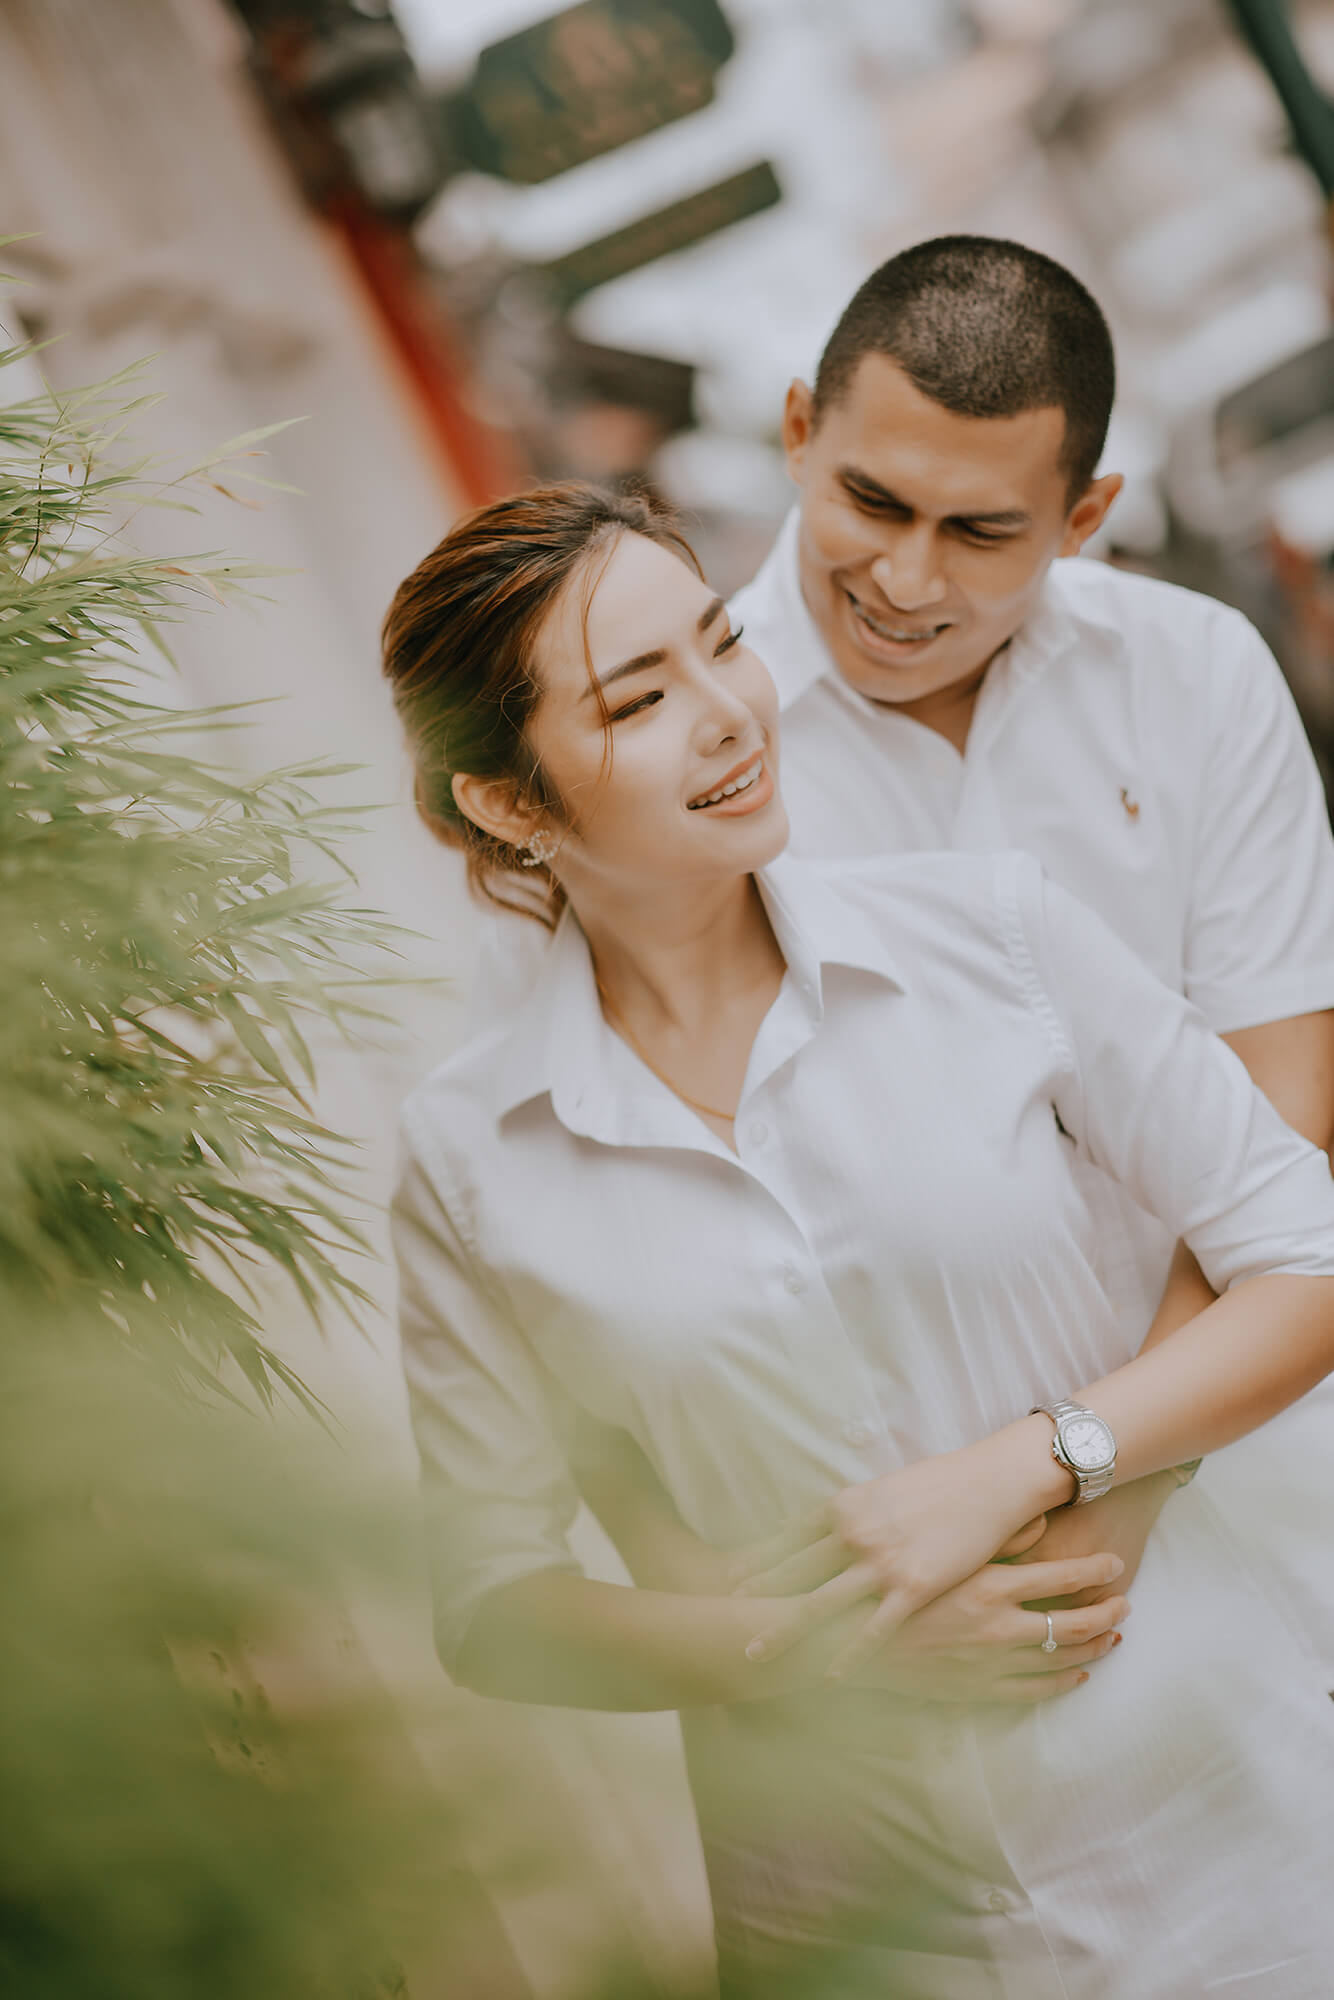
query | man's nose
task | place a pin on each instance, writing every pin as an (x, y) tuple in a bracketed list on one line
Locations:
[(909, 575)]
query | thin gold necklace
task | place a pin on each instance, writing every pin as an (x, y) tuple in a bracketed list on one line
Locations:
[(615, 1015)]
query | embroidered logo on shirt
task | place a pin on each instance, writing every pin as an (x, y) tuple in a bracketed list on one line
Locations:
[(1131, 804)]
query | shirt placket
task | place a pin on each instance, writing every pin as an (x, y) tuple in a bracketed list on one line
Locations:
[(979, 822), (828, 1360)]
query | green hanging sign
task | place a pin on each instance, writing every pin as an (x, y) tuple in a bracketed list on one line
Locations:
[(673, 228), (584, 82)]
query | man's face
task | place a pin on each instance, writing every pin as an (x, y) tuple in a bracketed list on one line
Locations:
[(925, 536)]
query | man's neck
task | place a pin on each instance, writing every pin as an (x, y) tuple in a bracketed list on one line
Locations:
[(949, 710)]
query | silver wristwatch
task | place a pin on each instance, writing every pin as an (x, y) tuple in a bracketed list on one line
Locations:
[(1084, 1445)]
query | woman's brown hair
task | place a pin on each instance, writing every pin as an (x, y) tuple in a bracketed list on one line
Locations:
[(459, 641)]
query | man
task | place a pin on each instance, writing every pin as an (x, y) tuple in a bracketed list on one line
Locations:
[(949, 679)]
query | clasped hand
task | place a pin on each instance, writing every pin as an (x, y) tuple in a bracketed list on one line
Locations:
[(926, 1545)]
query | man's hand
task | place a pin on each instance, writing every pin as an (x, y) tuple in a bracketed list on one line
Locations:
[(1121, 1522)]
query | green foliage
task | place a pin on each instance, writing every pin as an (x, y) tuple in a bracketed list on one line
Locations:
[(168, 929), (198, 1806)]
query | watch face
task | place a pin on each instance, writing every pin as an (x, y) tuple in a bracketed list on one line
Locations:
[(1087, 1443)]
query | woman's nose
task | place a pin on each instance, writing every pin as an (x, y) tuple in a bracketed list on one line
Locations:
[(723, 715)]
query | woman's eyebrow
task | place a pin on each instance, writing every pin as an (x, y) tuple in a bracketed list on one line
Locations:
[(642, 661)]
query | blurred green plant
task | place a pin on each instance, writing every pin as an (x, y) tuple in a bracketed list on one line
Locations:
[(170, 930)]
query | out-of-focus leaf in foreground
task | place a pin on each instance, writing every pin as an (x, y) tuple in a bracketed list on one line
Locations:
[(201, 1800)]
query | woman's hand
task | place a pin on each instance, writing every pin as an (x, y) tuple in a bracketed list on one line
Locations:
[(905, 1538), (978, 1642)]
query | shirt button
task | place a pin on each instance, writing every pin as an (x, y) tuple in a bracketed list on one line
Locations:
[(759, 1132), (794, 1281), (859, 1434), (998, 1901)]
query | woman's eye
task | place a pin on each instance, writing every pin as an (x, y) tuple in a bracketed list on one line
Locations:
[(728, 643), (633, 707)]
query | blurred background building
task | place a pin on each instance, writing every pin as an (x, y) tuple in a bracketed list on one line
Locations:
[(472, 242)]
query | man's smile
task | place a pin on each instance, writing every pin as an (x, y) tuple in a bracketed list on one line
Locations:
[(901, 636)]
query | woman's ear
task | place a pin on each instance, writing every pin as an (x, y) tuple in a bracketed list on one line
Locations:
[(493, 805)]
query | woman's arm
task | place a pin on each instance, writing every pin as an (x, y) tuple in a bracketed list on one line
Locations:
[(568, 1641), (628, 1498), (513, 1617)]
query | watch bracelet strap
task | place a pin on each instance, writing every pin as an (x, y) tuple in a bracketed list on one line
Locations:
[(1061, 1406), (1183, 1473)]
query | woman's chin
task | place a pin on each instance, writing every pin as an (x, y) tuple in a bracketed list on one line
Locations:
[(775, 833), (763, 840)]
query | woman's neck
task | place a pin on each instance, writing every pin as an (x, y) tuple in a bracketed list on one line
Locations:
[(678, 962)]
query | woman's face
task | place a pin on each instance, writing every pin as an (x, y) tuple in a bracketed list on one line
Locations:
[(680, 785)]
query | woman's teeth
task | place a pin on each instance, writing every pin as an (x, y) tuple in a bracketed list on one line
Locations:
[(741, 784)]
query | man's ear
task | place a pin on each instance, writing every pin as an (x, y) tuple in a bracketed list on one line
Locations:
[(1090, 511), (493, 805), (798, 428)]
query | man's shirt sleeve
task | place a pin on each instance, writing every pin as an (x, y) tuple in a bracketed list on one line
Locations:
[(1259, 941), (1151, 1096)]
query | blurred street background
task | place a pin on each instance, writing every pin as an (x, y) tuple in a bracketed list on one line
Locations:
[(476, 242)]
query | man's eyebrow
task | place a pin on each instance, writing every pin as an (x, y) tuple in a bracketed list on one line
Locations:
[(1000, 517), (643, 661)]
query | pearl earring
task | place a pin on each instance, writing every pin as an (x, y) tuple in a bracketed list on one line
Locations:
[(537, 851)]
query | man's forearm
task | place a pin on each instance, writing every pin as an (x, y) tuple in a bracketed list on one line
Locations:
[(1227, 1371), (1292, 1062), (1187, 1292)]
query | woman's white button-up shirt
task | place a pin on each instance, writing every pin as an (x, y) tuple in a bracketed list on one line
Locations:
[(898, 1259)]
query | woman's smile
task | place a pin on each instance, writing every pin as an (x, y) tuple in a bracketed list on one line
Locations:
[(740, 783)]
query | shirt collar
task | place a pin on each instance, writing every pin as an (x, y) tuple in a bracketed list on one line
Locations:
[(1059, 625), (560, 1046), (824, 913), (778, 619)]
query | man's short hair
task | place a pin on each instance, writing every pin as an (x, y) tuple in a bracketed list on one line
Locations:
[(985, 328)]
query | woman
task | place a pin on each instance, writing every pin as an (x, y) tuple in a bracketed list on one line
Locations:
[(778, 1168)]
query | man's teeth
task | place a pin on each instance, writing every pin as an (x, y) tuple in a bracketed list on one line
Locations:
[(889, 632), (741, 784)]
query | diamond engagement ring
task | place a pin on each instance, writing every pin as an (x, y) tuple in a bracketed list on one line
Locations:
[(1049, 1643)]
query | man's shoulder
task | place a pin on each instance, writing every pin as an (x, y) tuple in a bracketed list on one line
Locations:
[(759, 594), (1158, 622)]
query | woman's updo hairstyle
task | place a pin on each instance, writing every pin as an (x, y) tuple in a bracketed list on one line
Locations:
[(459, 643)]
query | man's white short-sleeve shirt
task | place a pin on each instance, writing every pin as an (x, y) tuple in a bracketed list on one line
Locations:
[(1139, 739)]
